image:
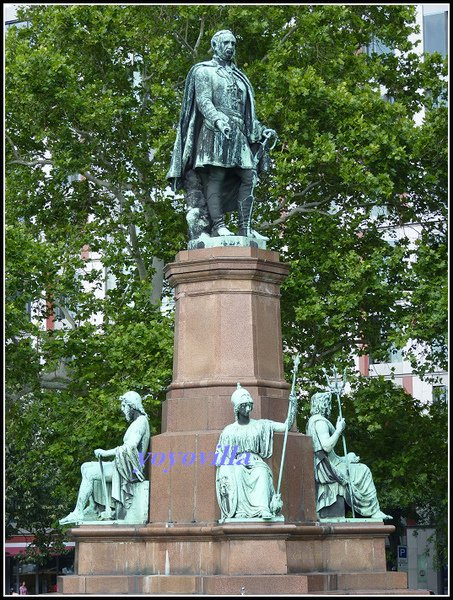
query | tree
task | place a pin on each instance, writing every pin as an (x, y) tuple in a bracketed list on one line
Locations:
[(92, 97)]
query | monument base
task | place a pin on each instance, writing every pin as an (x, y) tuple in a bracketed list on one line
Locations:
[(233, 558), (227, 240), (391, 583)]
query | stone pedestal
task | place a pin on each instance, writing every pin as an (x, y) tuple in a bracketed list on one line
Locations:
[(227, 330), (260, 558)]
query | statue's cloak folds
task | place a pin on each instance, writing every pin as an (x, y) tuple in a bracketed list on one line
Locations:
[(188, 130)]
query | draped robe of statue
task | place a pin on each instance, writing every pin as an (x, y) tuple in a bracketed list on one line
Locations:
[(245, 490), (334, 474), (127, 468)]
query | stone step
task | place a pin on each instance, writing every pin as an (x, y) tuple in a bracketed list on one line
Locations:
[(377, 580), (395, 592), (359, 584), (296, 583)]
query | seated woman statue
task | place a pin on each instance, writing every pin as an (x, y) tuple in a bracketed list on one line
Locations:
[(123, 471), (245, 487), (336, 476)]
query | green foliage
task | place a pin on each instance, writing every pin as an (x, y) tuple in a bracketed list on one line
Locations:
[(387, 425), (381, 420), (92, 97)]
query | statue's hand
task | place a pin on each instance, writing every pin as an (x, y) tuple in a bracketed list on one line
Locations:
[(223, 125), (99, 453), (267, 133), (341, 425)]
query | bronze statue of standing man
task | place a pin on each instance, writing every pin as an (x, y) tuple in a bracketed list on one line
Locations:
[(220, 146)]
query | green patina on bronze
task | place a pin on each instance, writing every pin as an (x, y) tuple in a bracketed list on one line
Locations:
[(246, 491), (116, 490), (338, 476), (220, 147)]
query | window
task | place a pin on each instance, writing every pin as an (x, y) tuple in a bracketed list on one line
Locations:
[(15, 23), (28, 309), (378, 47), (440, 393), (435, 33), (395, 355)]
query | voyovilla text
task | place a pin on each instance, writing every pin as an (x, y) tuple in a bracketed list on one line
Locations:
[(223, 456)]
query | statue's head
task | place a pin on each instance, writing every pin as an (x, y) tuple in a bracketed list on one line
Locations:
[(131, 401), (223, 44), (240, 396), (321, 403)]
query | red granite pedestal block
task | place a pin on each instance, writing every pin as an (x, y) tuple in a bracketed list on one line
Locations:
[(227, 330), (186, 493)]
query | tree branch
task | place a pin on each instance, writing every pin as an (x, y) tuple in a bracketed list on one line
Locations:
[(14, 149), (107, 184), (306, 208), (14, 397), (31, 163), (309, 187), (83, 134), (200, 37), (142, 270), (282, 41), (55, 384), (305, 191), (21, 161), (135, 249), (106, 162), (87, 134), (157, 280), (290, 31), (183, 42), (99, 182), (316, 357), (56, 380)]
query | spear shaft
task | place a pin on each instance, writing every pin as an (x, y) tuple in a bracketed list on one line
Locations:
[(340, 414), (293, 386)]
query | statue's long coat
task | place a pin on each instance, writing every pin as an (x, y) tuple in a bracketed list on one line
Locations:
[(189, 126)]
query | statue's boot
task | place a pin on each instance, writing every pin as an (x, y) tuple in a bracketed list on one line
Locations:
[(380, 515), (245, 207), (217, 217), (245, 218), (259, 236), (219, 228)]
